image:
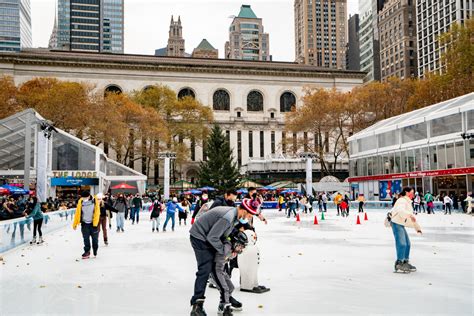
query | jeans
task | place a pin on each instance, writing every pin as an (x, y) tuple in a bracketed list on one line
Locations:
[(402, 242), (155, 223), (205, 255), (168, 216), (361, 207), (88, 232), (135, 214), (120, 219), (447, 208), (103, 223)]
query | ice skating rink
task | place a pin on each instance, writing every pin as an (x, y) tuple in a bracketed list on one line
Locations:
[(334, 268)]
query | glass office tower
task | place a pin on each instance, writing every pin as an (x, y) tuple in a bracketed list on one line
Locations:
[(15, 25)]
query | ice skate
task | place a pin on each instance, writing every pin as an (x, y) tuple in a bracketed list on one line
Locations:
[(33, 241), (235, 305), (152, 230), (224, 310), (86, 255), (95, 252), (40, 241), (401, 267), (198, 308), (411, 267)]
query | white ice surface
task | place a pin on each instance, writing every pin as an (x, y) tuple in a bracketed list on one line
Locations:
[(335, 268)]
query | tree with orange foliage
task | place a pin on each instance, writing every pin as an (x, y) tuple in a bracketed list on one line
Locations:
[(8, 93)]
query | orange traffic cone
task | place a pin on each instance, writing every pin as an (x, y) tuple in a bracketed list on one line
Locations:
[(298, 217), (365, 217), (315, 220), (358, 220), (192, 220)]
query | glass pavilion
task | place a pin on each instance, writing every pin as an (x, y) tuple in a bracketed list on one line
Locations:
[(431, 149), (37, 157)]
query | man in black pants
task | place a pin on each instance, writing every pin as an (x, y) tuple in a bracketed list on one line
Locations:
[(206, 237)]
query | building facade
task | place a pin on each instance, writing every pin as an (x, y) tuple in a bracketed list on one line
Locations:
[(175, 39), (249, 99), (369, 38), (397, 28), (247, 39), (15, 25), (205, 50), (89, 26), (321, 33), (353, 50), (430, 149), (434, 18)]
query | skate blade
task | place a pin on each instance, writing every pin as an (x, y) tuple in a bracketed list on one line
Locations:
[(401, 272)]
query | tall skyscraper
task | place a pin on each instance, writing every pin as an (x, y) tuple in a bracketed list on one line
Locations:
[(320, 32), (369, 38), (432, 19), (397, 28), (175, 39), (353, 51), (15, 25), (247, 39), (89, 25)]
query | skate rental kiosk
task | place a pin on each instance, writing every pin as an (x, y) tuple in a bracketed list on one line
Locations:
[(53, 163)]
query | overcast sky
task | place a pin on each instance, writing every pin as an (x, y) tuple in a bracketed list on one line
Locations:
[(147, 23)]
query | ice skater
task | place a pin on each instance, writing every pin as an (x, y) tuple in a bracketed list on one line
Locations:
[(402, 216), (121, 205), (88, 215), (157, 208), (37, 216), (171, 208)]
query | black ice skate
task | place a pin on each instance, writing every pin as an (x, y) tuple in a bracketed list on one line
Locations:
[(198, 308), (401, 267), (86, 255), (40, 241), (235, 305), (412, 268), (224, 310), (33, 241)]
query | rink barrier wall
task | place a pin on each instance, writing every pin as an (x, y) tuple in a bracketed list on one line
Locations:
[(19, 231)]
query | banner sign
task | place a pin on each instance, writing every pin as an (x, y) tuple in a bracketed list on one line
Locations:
[(388, 188), (415, 174), (75, 174), (72, 182)]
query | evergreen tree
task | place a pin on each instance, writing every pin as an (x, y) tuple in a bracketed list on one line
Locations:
[(219, 171)]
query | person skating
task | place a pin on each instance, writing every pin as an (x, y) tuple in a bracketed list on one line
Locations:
[(104, 207), (361, 200), (206, 237), (183, 212), (416, 203), (429, 202), (232, 247), (199, 205), (402, 216), (121, 205), (470, 204), (337, 201), (37, 216), (88, 215), (227, 200), (171, 208), (447, 204), (136, 206), (157, 208)]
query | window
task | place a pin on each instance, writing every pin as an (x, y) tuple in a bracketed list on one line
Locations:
[(254, 101), (388, 138), (441, 156), (414, 132), (287, 102), (273, 142), (186, 92), (460, 155), (470, 119), (250, 144), (113, 89), (221, 101), (239, 148), (446, 125), (450, 160), (193, 149), (262, 145)]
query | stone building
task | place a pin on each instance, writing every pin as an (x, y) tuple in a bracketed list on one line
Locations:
[(397, 29), (205, 50), (249, 99)]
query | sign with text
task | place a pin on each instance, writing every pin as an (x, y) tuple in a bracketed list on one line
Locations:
[(73, 182), (75, 174), (415, 174)]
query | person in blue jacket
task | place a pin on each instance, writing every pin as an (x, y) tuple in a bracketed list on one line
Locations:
[(171, 208), (37, 216)]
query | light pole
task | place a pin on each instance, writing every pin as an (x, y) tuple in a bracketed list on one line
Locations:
[(167, 156)]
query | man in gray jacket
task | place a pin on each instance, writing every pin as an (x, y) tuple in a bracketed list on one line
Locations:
[(207, 235)]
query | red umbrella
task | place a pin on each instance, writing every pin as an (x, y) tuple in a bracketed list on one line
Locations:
[(122, 186), (4, 191)]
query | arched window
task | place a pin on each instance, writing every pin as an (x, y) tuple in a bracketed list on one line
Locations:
[(254, 101), (287, 102), (113, 89), (221, 100), (186, 92)]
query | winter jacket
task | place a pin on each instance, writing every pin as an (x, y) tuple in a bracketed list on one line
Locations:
[(221, 201), (156, 211), (215, 226), (171, 207), (121, 205), (78, 214), (36, 214), (447, 200), (428, 198), (137, 202), (402, 212), (338, 199), (104, 207)]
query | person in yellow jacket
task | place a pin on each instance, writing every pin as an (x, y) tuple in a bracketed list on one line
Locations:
[(402, 216), (337, 201), (88, 215), (361, 201)]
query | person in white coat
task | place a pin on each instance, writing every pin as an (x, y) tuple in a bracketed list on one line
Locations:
[(470, 204), (447, 204), (402, 216)]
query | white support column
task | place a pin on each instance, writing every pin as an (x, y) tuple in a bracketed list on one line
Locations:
[(167, 178), (26, 166), (309, 176), (42, 167)]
